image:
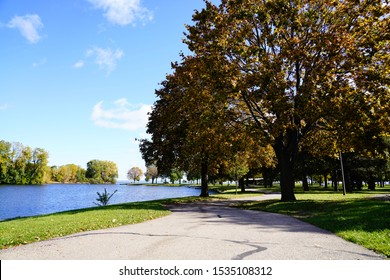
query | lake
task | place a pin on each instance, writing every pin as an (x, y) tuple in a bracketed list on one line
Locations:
[(31, 200)]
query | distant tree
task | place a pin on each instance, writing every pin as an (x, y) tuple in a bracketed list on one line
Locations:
[(20, 164), (66, 175), (47, 174), (37, 167), (5, 162), (194, 175), (69, 173), (81, 175), (238, 169), (20, 158), (176, 175), (134, 174), (55, 174), (360, 169), (151, 173), (100, 172), (110, 172)]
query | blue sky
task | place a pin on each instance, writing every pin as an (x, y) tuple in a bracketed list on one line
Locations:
[(77, 77)]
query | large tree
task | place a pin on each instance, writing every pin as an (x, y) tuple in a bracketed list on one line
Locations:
[(192, 127), (298, 67)]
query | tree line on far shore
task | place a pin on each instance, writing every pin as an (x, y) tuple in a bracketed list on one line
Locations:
[(22, 165), (152, 174)]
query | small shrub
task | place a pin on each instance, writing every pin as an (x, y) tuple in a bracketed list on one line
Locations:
[(104, 198)]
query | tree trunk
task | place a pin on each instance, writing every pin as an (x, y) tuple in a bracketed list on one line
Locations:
[(348, 183), (319, 180), (241, 184), (359, 184), (266, 175), (285, 150), (287, 181), (335, 180), (204, 179), (305, 183), (326, 180), (371, 184)]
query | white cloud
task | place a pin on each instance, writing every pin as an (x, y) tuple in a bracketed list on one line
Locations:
[(79, 64), (28, 26), (123, 12), (122, 115), (105, 58)]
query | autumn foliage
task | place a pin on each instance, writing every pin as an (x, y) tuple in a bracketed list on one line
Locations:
[(290, 75)]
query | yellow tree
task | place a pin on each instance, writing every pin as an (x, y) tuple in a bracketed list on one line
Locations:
[(300, 66), (186, 124), (134, 174), (193, 127)]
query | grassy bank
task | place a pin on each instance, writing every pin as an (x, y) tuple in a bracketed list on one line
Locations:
[(359, 218), (31, 229)]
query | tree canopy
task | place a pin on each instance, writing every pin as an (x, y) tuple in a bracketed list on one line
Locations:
[(101, 171), (289, 74), (151, 173), (134, 174)]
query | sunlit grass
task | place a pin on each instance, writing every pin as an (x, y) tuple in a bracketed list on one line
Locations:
[(31, 229), (355, 217)]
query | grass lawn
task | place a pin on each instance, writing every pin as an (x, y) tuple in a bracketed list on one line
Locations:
[(31, 229), (358, 218)]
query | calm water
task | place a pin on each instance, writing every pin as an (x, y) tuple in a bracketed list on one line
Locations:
[(21, 201)]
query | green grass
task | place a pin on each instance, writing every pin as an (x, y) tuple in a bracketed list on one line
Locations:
[(27, 230), (355, 217)]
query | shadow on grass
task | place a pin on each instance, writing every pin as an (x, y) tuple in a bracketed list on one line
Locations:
[(360, 214), (362, 221)]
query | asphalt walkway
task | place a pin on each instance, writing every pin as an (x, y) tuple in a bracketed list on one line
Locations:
[(200, 231)]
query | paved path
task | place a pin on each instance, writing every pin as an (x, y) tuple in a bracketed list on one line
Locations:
[(200, 231)]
